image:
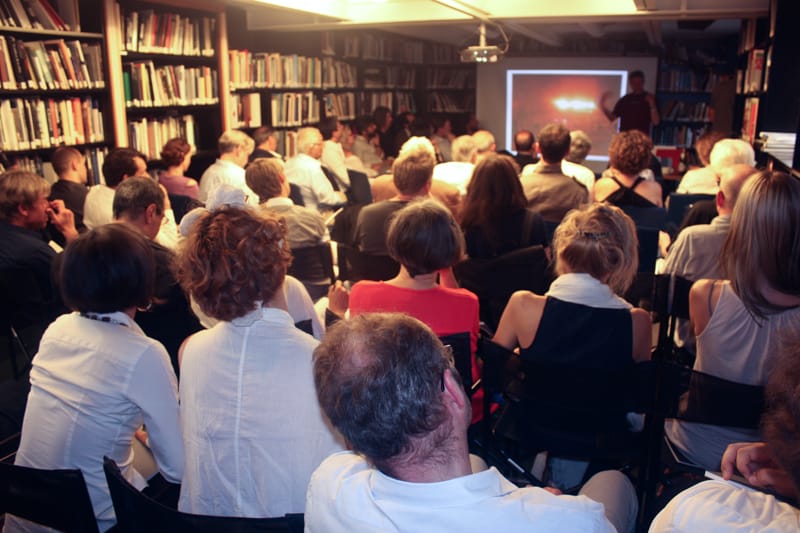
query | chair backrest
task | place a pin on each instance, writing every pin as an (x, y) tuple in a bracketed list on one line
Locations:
[(679, 205), (360, 192), (137, 512), (53, 498), (313, 264), (648, 248), (670, 303), (462, 356), (296, 195), (649, 217), (370, 267)]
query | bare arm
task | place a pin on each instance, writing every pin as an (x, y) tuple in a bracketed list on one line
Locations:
[(642, 334), (520, 320), (604, 106), (655, 118), (703, 298)]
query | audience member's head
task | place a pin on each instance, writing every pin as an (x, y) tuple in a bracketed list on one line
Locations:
[(265, 177), (412, 171), (233, 260), (235, 146), (176, 152), (424, 238), (264, 137), (728, 152), (365, 126), (731, 181), (331, 129), (523, 141), (553, 143), (122, 271), (493, 191), (629, 152), (441, 126), (420, 127), (384, 381), (599, 240), (464, 149), (761, 255), (309, 142), (484, 142), (382, 117), (122, 163), (705, 144), (70, 165), (579, 146), (23, 199), (140, 203)]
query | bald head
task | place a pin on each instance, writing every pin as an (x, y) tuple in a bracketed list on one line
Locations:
[(731, 180), (484, 142)]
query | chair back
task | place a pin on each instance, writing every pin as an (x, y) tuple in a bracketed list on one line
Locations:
[(370, 267), (54, 498), (670, 303), (462, 356), (360, 192), (296, 195), (648, 248), (648, 217), (679, 206), (313, 264), (137, 512)]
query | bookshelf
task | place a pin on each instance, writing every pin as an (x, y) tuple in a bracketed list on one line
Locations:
[(683, 96)]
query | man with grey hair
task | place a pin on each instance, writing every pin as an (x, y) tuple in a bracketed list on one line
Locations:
[(305, 171), (388, 385), (458, 172), (235, 148), (484, 144), (579, 147)]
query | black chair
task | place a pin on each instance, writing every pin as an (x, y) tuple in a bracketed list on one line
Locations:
[(679, 206), (670, 304), (296, 195), (53, 498), (649, 217), (182, 204), (313, 266), (361, 266), (360, 192), (138, 512), (25, 312), (495, 280), (462, 357)]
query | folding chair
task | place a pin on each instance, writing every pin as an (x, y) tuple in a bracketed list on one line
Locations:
[(313, 266)]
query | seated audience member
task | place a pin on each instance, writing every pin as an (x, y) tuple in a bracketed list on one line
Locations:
[(628, 155), (73, 174), (442, 137), (696, 251), (702, 180), (266, 142), (24, 214), (525, 146), (425, 239), (139, 204), (177, 156), (305, 171), (458, 171), (251, 424), (579, 147), (737, 322), (332, 151), (411, 174), (382, 116), (235, 148), (305, 227), (548, 190), (484, 144), (351, 160), (403, 125), (365, 145), (388, 385), (97, 377), (495, 215), (772, 465)]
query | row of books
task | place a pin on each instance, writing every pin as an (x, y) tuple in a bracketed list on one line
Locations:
[(375, 48), (754, 74), (252, 70), (677, 135), (149, 86), (389, 78), (154, 32), (52, 64), (750, 119), (338, 74), (451, 78), (39, 164), (148, 135), (450, 103), (245, 110), (33, 123), (287, 142), (681, 110), (398, 102), (294, 109), (40, 15), (678, 80), (340, 105)]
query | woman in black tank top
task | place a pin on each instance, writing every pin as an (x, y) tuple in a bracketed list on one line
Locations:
[(629, 154)]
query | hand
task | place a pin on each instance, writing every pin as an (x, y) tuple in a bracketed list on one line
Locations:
[(755, 461), (141, 436), (63, 219), (650, 99), (338, 299), (553, 490), (604, 98)]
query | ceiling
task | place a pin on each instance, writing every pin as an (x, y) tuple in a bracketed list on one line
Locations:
[(550, 22)]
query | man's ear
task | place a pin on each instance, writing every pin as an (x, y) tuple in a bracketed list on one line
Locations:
[(23, 210), (720, 200), (150, 212), (453, 389)]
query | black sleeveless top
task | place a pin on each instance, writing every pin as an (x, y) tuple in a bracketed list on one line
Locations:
[(627, 196)]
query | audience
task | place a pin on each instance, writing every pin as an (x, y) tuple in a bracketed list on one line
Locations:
[(443, 137), (628, 155), (495, 215), (252, 428), (177, 156), (365, 145), (737, 322), (266, 142), (388, 385), (332, 151), (458, 171), (73, 174), (235, 148), (702, 180), (305, 171), (548, 190), (484, 144), (97, 377), (403, 125), (525, 146), (579, 147), (382, 116)]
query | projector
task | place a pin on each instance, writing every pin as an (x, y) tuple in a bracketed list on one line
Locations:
[(481, 54)]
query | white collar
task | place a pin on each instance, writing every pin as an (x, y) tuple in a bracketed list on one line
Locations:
[(278, 201), (586, 290)]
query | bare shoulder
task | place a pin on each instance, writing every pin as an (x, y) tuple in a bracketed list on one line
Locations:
[(603, 187), (652, 189)]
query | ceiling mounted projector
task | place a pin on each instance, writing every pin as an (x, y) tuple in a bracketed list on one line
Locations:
[(483, 53)]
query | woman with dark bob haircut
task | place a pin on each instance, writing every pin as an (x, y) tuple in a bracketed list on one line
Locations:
[(495, 214), (426, 240), (177, 156), (628, 155), (97, 377), (251, 424)]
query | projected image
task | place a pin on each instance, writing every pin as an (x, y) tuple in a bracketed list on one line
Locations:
[(570, 97)]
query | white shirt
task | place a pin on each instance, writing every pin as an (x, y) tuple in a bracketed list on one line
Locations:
[(346, 494), (93, 384), (365, 151), (224, 171), (305, 172), (333, 158), (699, 181), (723, 506), (457, 173), (252, 427), (579, 172)]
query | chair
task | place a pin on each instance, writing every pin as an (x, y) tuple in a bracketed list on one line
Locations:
[(670, 304), (24, 314), (360, 192), (53, 498), (367, 266), (649, 217), (313, 266), (138, 512), (462, 357), (296, 195), (679, 205), (495, 280)]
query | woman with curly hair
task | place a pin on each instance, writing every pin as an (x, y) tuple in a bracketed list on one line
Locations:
[(252, 428), (628, 154), (176, 156)]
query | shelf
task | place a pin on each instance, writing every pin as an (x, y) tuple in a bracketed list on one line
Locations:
[(164, 57), (139, 110), (660, 92), (40, 150), (683, 121), (12, 30), (283, 89), (44, 93)]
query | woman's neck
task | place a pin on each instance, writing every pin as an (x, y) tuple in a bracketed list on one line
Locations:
[(626, 179), (420, 282), (175, 171)]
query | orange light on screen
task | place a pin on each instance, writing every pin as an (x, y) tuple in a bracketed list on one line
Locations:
[(579, 105)]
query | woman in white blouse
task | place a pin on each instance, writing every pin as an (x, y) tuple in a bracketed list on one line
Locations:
[(97, 377), (252, 427)]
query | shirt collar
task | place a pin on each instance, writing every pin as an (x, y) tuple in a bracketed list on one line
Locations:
[(278, 201), (266, 314), (472, 488)]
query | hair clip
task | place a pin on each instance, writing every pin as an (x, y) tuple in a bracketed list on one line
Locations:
[(595, 236)]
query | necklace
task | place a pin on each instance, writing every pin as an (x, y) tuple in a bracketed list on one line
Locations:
[(108, 319)]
